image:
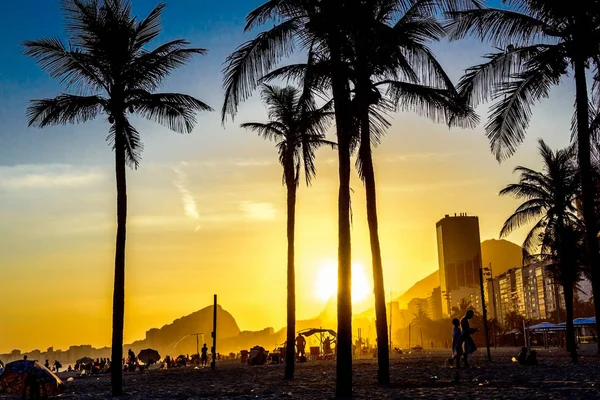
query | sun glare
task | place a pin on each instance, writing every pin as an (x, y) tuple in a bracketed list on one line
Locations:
[(326, 284)]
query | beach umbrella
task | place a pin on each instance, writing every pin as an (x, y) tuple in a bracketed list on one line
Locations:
[(15, 377), (85, 360), (148, 354)]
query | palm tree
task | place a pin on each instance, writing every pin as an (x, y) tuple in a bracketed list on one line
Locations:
[(513, 320), (297, 126), (305, 24), (550, 201), (542, 40), (388, 53), (108, 65), (461, 308)]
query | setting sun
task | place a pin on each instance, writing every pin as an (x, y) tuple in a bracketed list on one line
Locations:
[(326, 284)]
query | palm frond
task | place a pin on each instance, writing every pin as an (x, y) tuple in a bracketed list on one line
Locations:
[(173, 110), (64, 109), (254, 59), (271, 131), (149, 28), (500, 27), (132, 142), (71, 68), (509, 118), (149, 70), (438, 105)]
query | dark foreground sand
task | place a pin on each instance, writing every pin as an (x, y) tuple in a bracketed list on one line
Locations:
[(424, 375)]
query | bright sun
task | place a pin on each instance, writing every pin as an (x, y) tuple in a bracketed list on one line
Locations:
[(326, 284)]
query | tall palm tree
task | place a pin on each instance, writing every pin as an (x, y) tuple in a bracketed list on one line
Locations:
[(550, 201), (391, 55), (390, 67), (298, 127), (300, 25), (461, 308), (113, 73), (542, 38)]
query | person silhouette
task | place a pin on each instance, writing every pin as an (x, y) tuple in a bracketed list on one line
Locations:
[(467, 331), (204, 355), (300, 346)]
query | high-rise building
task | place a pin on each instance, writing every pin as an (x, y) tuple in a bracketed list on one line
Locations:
[(459, 256)]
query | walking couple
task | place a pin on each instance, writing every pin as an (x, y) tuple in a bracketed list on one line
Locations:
[(463, 344)]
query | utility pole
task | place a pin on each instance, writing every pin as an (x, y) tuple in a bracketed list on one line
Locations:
[(484, 313), (213, 364)]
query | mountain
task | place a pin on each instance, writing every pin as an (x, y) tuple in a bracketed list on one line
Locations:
[(421, 289), (502, 254), (176, 336)]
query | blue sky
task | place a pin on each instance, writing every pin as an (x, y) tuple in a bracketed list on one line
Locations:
[(207, 210)]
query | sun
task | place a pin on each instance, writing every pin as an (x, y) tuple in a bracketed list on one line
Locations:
[(326, 283)]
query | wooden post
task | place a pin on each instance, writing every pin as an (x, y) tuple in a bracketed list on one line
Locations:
[(213, 364)]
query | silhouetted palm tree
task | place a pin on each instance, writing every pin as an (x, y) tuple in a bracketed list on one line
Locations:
[(461, 308), (549, 201), (113, 73), (542, 40), (513, 320), (389, 54), (297, 125), (303, 24)]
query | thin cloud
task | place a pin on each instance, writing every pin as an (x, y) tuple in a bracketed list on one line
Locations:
[(51, 176), (258, 211), (190, 208)]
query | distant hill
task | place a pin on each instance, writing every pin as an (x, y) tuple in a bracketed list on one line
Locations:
[(175, 337), (421, 289), (502, 254)]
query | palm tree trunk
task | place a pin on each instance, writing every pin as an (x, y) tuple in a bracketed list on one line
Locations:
[(383, 351), (571, 345), (587, 181), (290, 355), (119, 284), (343, 118)]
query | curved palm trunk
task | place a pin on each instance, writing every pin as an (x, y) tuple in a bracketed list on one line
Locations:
[(119, 284), (290, 355), (587, 181), (383, 351), (571, 345), (343, 118)]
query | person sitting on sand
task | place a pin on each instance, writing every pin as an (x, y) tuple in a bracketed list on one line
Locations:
[(467, 331), (532, 358), (457, 350), (300, 346), (522, 357), (204, 355)]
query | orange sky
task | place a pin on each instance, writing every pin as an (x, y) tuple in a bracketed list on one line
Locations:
[(217, 225), (207, 210)]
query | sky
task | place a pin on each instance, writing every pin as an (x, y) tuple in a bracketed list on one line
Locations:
[(207, 210)]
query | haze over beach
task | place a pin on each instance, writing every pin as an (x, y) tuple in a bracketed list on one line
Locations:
[(207, 210)]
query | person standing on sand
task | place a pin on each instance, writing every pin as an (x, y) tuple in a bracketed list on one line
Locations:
[(204, 355), (457, 350), (300, 346), (468, 341)]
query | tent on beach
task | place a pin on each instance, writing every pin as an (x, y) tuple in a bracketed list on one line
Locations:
[(18, 374)]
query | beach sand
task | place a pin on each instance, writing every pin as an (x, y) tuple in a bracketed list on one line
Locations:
[(421, 375)]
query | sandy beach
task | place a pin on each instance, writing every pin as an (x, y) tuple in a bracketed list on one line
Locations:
[(423, 375)]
